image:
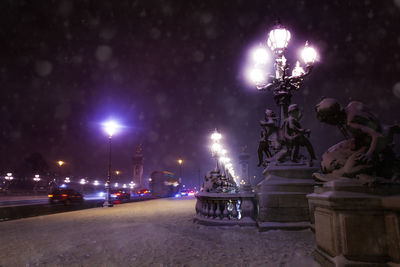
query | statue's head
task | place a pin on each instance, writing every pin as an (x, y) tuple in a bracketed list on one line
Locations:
[(330, 111), (294, 110), (269, 113)]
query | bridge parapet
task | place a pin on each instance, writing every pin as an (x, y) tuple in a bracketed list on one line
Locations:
[(226, 209)]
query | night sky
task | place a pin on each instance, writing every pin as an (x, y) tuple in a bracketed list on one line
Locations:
[(172, 71)]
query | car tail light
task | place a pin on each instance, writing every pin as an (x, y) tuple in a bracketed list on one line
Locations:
[(64, 195), (145, 191), (50, 195), (118, 194)]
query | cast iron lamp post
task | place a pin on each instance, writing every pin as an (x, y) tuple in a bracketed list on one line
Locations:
[(216, 147), (110, 128), (282, 84)]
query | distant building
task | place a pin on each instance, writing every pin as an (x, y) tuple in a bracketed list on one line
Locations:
[(137, 161)]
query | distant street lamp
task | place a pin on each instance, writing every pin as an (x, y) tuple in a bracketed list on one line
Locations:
[(117, 173), (132, 185), (9, 177), (110, 127), (282, 83), (83, 181), (180, 162), (36, 179), (60, 164), (67, 180)]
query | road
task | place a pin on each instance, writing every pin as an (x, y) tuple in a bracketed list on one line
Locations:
[(17, 207), (32, 200)]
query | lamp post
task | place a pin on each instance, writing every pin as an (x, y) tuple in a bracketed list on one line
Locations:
[(60, 164), (216, 147), (110, 127), (36, 179), (282, 83), (8, 178), (180, 162), (82, 182)]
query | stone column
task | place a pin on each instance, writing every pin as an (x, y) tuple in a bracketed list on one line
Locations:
[(356, 225), (282, 201)]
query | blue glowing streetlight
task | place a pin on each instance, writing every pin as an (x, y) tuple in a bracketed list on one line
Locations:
[(110, 127)]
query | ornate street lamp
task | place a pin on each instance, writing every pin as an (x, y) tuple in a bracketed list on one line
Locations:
[(282, 84), (110, 128), (216, 147)]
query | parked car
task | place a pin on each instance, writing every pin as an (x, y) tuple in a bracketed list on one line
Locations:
[(120, 195), (66, 196), (143, 193)]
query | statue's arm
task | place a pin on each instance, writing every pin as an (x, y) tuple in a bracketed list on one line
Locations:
[(295, 125), (369, 131)]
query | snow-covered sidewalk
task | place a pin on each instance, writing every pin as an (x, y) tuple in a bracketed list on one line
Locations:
[(150, 233)]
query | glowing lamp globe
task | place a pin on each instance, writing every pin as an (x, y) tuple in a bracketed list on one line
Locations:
[(110, 127), (256, 76), (278, 39), (215, 148), (308, 54), (223, 159), (216, 136), (260, 55)]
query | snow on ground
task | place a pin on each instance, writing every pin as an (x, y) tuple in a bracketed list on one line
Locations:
[(150, 233)]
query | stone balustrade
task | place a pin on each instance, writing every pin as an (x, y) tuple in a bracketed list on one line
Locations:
[(226, 209)]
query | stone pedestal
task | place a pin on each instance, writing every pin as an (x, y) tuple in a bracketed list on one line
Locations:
[(282, 202), (356, 225)]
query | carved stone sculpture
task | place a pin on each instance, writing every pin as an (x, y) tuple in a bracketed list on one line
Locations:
[(356, 212), (366, 153), (294, 136), (269, 127), (283, 144)]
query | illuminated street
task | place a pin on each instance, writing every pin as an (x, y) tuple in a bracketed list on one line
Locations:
[(150, 233)]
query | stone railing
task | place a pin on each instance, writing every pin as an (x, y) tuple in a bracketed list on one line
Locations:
[(226, 209)]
